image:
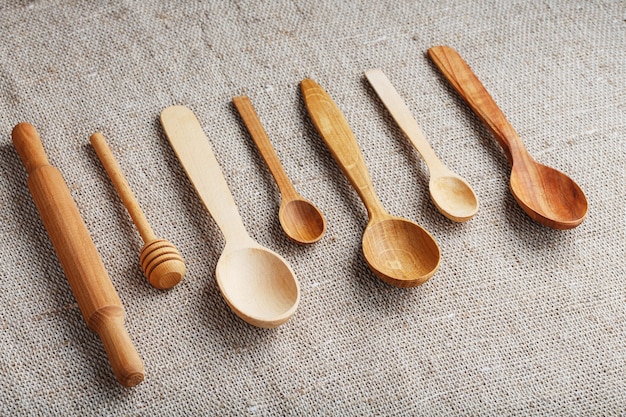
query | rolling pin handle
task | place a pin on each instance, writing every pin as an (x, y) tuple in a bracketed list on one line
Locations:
[(127, 366), (28, 145)]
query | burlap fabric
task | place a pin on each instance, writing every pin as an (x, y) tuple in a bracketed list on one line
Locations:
[(520, 319)]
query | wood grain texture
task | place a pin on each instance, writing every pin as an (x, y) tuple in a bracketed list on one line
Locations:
[(398, 251), (547, 195), (85, 272), (301, 221), (257, 283), (450, 193), (161, 262)]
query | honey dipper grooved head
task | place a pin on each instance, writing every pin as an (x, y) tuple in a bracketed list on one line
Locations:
[(162, 264)]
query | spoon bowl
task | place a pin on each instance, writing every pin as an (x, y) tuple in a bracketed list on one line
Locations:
[(454, 197), (258, 285), (400, 252), (301, 221), (549, 196)]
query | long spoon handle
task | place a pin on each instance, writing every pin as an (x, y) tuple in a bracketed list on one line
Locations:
[(262, 142), (334, 129), (465, 82), (114, 171), (190, 144), (403, 117)]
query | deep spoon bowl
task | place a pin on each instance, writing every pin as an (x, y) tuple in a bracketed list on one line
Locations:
[(547, 195), (258, 285), (400, 252), (301, 220), (453, 196)]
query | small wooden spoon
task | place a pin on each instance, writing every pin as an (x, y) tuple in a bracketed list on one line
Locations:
[(547, 195), (400, 252), (452, 195), (302, 222), (257, 283)]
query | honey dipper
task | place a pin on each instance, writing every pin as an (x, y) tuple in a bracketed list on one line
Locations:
[(161, 262)]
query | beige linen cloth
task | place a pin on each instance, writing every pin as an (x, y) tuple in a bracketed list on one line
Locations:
[(519, 320)]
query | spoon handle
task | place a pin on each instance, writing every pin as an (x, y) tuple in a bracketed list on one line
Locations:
[(465, 82), (403, 117), (334, 129), (192, 148), (262, 142)]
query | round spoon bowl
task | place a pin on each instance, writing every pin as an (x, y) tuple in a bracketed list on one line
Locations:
[(258, 285), (453, 197), (548, 196), (302, 221), (400, 252)]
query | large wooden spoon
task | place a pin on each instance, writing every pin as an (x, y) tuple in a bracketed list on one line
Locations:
[(400, 252), (300, 219), (257, 283), (547, 195), (452, 195)]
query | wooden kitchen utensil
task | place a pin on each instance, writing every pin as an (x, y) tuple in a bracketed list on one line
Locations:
[(451, 194), (399, 251), (160, 261), (90, 283), (548, 196), (257, 283), (302, 222)]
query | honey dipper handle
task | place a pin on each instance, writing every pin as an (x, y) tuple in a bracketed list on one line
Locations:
[(96, 297), (469, 87), (114, 171)]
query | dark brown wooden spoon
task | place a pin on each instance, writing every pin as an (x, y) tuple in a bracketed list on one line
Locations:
[(547, 195)]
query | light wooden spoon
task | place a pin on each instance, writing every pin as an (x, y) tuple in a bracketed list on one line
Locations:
[(399, 251), (257, 283), (547, 195), (300, 219), (452, 195)]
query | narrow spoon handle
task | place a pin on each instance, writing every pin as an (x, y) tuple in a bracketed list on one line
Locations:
[(334, 129), (262, 142), (403, 117), (465, 82), (190, 144)]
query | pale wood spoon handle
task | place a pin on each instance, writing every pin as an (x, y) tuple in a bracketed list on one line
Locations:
[(469, 87), (190, 144), (262, 142), (334, 129), (403, 117)]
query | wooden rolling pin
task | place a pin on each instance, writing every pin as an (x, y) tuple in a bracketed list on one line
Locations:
[(90, 283)]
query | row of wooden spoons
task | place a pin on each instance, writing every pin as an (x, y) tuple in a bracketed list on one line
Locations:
[(259, 285)]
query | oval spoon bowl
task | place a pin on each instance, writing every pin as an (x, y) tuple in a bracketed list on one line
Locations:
[(548, 196), (258, 285), (400, 252), (302, 221), (453, 197)]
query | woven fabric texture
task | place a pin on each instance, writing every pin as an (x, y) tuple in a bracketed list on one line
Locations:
[(519, 319)]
